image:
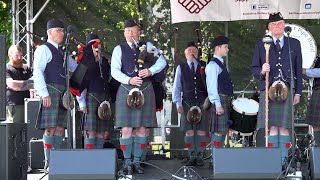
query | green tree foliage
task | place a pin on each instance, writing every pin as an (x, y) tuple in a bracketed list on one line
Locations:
[(5, 19)]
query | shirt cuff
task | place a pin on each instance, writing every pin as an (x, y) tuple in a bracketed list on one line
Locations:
[(82, 105), (178, 104), (218, 104)]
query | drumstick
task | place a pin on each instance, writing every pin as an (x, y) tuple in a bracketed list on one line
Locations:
[(267, 40)]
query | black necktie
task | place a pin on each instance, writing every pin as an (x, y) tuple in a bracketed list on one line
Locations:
[(192, 67), (278, 44)]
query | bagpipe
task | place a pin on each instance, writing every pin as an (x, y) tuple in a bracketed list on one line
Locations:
[(79, 79), (135, 98), (86, 56)]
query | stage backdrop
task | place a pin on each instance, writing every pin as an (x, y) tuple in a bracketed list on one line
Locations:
[(232, 10)]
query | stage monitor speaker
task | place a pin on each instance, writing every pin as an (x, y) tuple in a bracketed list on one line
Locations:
[(35, 148), (246, 163), (315, 163), (13, 151), (83, 164), (3, 77)]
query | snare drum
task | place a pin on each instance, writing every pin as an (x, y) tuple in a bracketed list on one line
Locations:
[(244, 115)]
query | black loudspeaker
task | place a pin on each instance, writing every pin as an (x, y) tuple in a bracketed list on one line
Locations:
[(3, 77), (246, 163), (13, 151), (83, 164), (315, 163), (34, 136)]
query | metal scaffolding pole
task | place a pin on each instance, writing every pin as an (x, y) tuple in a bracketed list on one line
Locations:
[(22, 21)]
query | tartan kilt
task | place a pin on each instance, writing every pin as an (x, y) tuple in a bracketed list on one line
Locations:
[(92, 122), (313, 113), (55, 115), (217, 123), (202, 125), (143, 117), (279, 113)]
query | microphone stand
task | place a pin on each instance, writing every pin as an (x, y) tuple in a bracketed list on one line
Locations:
[(66, 67), (292, 95)]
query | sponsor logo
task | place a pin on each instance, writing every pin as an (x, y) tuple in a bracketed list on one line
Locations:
[(194, 6), (307, 6), (259, 6)]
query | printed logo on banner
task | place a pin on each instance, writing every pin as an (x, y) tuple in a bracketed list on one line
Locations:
[(307, 6), (259, 6), (194, 6)]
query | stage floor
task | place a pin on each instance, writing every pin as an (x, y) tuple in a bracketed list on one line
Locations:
[(171, 166)]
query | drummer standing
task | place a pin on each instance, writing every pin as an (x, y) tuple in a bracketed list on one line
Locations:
[(188, 82), (279, 69), (220, 90)]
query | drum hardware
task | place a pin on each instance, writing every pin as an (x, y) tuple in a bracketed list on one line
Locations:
[(267, 43), (243, 116)]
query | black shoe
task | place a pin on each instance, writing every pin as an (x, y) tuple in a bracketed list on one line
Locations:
[(127, 170), (210, 165), (199, 159), (137, 168), (127, 167), (191, 162)]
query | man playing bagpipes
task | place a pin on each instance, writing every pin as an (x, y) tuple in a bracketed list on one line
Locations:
[(135, 101), (95, 92)]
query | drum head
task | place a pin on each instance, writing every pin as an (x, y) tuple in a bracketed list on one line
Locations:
[(308, 44), (245, 106)]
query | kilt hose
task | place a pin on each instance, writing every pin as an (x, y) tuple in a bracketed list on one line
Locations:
[(92, 122), (143, 117), (55, 115), (202, 125), (313, 113), (219, 124), (279, 113)]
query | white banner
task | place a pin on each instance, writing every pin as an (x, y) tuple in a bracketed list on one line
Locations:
[(232, 10)]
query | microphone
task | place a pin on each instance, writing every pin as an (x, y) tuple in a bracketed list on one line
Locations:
[(71, 29), (287, 30)]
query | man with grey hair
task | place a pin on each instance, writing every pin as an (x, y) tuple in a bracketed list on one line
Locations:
[(50, 84)]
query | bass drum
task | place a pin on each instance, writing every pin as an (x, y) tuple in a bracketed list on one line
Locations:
[(309, 50), (244, 115)]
